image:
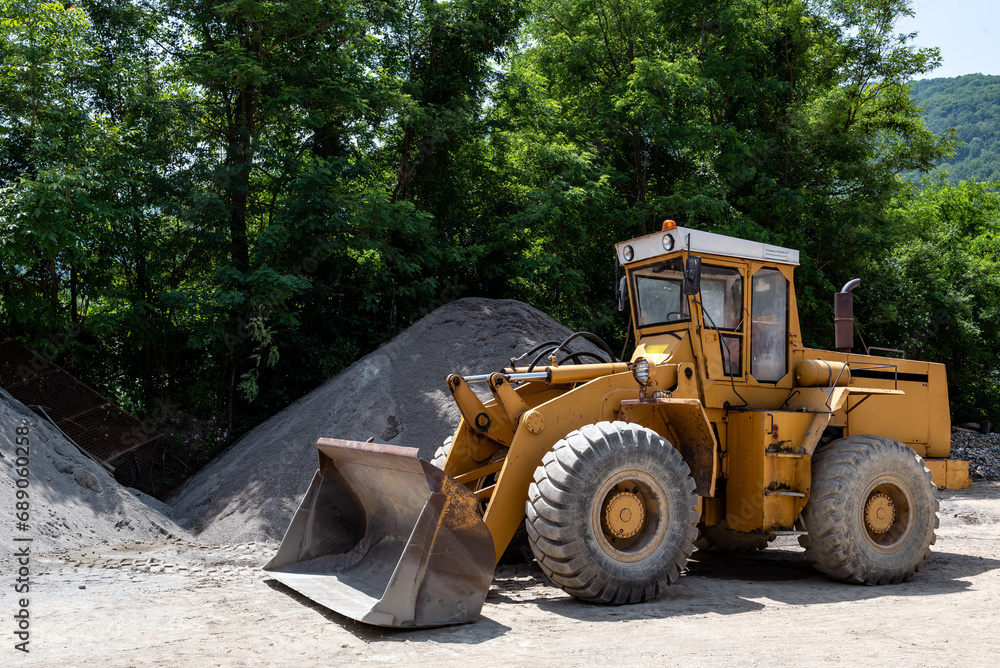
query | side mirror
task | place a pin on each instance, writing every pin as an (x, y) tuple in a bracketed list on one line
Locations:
[(692, 276), (622, 292)]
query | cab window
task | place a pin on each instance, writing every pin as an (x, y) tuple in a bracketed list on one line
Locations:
[(660, 298), (722, 296), (722, 302), (769, 335)]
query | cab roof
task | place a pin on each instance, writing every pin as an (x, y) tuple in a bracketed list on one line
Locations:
[(655, 244)]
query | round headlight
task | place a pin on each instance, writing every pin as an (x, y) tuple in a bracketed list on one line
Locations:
[(628, 253), (640, 371), (668, 242)]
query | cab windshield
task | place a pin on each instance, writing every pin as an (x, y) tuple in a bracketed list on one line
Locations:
[(660, 298)]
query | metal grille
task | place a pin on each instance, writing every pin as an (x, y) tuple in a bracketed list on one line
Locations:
[(97, 425)]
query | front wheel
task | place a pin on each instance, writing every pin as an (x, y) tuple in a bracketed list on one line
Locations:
[(611, 513), (872, 511)]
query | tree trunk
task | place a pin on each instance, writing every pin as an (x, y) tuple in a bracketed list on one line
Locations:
[(74, 313), (406, 166), (239, 162), (53, 287)]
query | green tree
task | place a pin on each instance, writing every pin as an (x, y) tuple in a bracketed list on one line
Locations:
[(443, 59), (968, 106), (781, 121), (47, 158), (338, 141), (91, 240), (937, 293)]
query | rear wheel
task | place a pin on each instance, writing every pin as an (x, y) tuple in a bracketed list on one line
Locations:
[(872, 511), (611, 513)]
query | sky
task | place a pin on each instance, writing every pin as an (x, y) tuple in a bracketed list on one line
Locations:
[(966, 31)]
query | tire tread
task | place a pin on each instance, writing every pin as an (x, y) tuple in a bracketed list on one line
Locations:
[(833, 547), (553, 516)]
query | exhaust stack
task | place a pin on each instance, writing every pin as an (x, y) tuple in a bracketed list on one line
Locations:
[(843, 316)]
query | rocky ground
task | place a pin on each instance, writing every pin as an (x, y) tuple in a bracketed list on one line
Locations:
[(179, 603)]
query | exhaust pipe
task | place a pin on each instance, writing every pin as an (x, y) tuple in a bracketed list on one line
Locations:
[(386, 538), (843, 316)]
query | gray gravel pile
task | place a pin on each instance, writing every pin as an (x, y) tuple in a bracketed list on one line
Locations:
[(982, 452), (395, 395), (71, 500)]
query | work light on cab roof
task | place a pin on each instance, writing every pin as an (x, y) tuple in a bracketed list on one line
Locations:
[(668, 239)]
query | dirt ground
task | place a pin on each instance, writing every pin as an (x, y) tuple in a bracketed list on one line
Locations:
[(178, 603)]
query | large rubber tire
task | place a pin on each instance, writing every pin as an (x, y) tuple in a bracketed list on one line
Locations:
[(872, 511), (575, 536), (722, 539)]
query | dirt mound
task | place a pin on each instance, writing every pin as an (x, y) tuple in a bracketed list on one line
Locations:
[(395, 394), (72, 501)]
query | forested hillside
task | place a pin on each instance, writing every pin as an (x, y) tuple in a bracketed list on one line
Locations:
[(971, 105), (216, 205)]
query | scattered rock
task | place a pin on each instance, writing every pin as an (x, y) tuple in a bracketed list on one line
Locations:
[(982, 452)]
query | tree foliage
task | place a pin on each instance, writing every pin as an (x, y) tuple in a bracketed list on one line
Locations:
[(225, 202), (781, 121), (937, 293), (968, 106)]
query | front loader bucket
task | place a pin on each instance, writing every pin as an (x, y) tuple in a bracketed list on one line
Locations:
[(387, 539)]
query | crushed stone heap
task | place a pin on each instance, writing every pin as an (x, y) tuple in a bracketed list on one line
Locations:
[(396, 394), (982, 452), (72, 500)]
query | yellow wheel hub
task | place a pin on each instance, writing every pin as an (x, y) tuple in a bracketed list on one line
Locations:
[(624, 515), (880, 512)]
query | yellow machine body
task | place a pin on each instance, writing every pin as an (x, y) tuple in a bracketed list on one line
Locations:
[(729, 385)]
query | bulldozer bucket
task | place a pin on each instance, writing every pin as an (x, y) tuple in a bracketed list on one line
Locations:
[(386, 538)]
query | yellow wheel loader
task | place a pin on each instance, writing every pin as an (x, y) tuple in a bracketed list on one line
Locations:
[(722, 432)]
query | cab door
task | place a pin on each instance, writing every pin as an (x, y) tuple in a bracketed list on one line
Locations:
[(768, 325), (723, 315)]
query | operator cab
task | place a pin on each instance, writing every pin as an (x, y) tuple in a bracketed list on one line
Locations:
[(734, 294)]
